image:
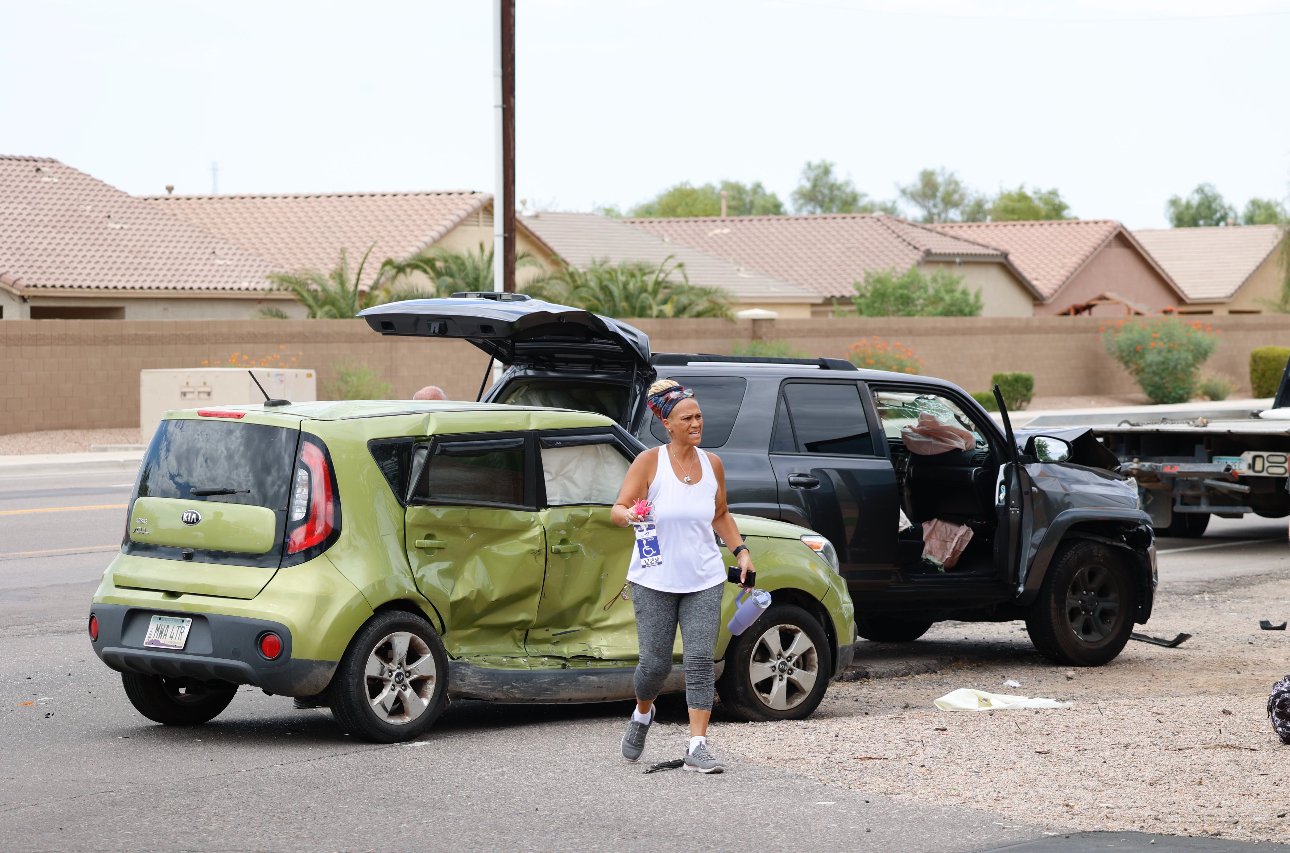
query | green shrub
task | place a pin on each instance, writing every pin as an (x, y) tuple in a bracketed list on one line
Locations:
[(874, 353), (357, 382), (1215, 387), (986, 399), (766, 349), (1266, 366), (914, 294), (1018, 389), (1162, 355)]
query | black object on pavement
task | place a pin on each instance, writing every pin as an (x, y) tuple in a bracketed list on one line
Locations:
[(1279, 709), (1268, 626), (1159, 641), (674, 764)]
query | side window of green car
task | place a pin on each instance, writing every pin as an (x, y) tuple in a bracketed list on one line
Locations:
[(582, 470), (490, 472)]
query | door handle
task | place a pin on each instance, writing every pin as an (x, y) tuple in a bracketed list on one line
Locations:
[(566, 548), (430, 543), (803, 481)]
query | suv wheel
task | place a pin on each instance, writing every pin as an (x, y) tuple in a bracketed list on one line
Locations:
[(177, 701), (1085, 609), (778, 669), (392, 683), (883, 628)]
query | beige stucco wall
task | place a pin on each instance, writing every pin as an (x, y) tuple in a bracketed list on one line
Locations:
[(1263, 285), (1117, 268), (47, 367), (1002, 293), (11, 307), (173, 308)]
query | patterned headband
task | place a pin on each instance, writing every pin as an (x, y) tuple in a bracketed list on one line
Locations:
[(665, 401)]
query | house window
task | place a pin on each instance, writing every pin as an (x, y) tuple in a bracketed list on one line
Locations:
[(77, 312)]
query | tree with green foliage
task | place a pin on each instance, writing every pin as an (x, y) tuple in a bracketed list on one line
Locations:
[(938, 194), (913, 294), (448, 272), (1204, 207), (687, 200), (1264, 211), (1021, 205), (631, 289), (820, 190), (334, 295)]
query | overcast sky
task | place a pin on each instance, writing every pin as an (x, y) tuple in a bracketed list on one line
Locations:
[(1116, 103)]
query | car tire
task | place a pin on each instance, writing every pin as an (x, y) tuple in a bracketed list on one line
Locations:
[(762, 681), (884, 628), (392, 683), (1084, 613), (177, 701), (1187, 525)]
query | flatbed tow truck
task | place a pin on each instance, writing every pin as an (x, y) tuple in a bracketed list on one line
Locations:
[(1191, 470)]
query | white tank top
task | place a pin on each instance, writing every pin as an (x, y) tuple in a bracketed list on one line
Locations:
[(683, 517)]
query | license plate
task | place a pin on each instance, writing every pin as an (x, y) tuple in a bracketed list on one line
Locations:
[(167, 632)]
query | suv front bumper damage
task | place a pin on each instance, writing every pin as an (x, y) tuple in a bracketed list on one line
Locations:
[(219, 648)]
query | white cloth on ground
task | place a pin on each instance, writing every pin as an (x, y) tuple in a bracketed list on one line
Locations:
[(967, 699)]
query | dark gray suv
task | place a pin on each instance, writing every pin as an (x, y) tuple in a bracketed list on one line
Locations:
[(1057, 538)]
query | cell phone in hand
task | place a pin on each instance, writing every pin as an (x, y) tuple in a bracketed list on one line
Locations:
[(732, 576)]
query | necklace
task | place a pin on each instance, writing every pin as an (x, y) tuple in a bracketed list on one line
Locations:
[(686, 478)]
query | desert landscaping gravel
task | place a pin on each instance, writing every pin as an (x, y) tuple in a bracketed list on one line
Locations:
[(1161, 740)]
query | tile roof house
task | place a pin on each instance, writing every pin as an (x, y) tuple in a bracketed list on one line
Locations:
[(581, 238), (828, 253), (1074, 262), (72, 246), (296, 232), (1228, 270)]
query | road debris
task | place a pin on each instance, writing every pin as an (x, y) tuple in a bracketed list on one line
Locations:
[(1268, 626), (1158, 641)]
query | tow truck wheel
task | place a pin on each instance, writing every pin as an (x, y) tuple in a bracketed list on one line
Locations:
[(1084, 613), (1187, 525)]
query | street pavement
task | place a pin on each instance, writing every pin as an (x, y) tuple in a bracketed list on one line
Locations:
[(83, 771)]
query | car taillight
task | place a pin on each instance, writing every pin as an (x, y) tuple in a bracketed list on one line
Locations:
[(270, 645), (94, 628), (312, 516)]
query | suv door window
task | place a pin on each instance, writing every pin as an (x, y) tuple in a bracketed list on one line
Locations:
[(828, 418), (720, 398), (587, 473), (489, 472)]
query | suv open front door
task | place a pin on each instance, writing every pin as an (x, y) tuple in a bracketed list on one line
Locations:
[(555, 355)]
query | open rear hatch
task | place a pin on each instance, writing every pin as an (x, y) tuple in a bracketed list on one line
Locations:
[(554, 350), (209, 508)]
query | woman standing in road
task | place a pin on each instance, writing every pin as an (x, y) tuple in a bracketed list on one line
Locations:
[(677, 574)]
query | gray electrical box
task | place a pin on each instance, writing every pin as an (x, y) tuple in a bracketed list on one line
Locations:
[(191, 388)]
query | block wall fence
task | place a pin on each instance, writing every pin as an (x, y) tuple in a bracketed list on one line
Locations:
[(82, 374)]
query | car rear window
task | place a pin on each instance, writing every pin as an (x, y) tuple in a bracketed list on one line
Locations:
[(719, 398), (220, 461)]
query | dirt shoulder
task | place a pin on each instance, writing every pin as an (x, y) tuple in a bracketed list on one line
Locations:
[(1162, 740)]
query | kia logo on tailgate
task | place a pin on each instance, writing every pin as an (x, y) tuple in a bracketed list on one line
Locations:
[(191, 516)]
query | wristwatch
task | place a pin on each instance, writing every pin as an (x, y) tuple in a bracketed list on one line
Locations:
[(734, 552)]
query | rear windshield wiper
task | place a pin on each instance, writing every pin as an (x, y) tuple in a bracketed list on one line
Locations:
[(205, 493)]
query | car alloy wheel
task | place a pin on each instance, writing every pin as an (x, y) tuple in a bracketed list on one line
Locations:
[(783, 667), (401, 675), (779, 668)]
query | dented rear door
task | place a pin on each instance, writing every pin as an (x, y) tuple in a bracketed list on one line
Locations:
[(581, 615)]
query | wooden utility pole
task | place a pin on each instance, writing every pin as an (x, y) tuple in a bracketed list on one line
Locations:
[(504, 195)]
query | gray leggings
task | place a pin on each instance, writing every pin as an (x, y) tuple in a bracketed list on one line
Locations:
[(657, 615)]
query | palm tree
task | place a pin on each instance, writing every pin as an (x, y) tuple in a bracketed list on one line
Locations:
[(449, 271), (332, 295), (631, 289)]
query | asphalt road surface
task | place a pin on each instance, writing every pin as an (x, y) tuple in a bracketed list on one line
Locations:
[(82, 770)]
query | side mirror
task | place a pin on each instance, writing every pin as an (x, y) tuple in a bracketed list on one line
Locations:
[(1045, 448)]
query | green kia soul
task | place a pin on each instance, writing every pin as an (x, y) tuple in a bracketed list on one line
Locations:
[(382, 557)]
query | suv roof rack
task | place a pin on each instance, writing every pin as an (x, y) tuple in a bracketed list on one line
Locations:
[(495, 295), (677, 359)]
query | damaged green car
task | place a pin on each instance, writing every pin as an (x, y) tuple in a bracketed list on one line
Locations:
[(381, 558)]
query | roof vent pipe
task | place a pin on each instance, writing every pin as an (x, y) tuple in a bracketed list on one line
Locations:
[(725, 199)]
